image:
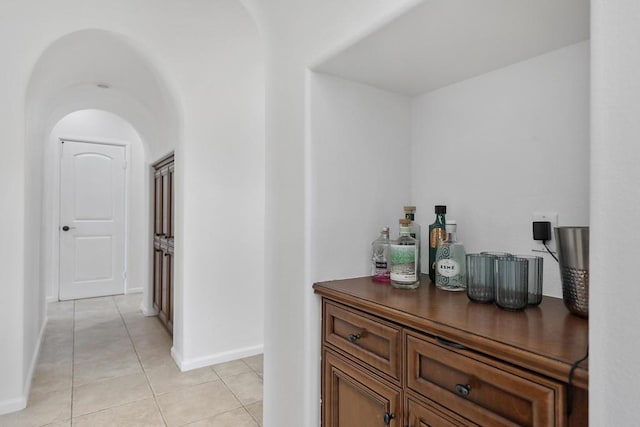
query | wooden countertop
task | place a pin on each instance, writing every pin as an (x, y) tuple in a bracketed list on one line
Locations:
[(546, 339)]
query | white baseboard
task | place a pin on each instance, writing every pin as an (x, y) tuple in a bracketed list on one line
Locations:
[(148, 311), (34, 358), (133, 291), (213, 359), (19, 403), (13, 405)]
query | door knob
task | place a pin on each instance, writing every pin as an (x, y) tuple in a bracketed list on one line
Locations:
[(67, 228)]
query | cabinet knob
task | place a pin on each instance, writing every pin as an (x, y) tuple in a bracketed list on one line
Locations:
[(387, 418), (353, 337), (463, 390)]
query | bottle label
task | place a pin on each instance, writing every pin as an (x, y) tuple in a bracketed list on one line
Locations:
[(403, 263), (381, 265), (437, 236), (448, 267)]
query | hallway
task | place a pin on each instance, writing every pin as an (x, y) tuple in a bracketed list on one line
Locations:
[(102, 363)]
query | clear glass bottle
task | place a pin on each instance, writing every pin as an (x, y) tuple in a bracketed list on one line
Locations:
[(403, 254), (437, 234), (380, 268), (451, 267), (414, 231)]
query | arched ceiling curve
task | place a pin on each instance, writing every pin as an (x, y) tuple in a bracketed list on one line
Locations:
[(67, 75)]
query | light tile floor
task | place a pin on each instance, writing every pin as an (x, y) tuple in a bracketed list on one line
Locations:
[(102, 363)]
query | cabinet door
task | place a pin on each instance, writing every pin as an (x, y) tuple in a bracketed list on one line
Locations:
[(167, 284), (157, 279), (157, 204), (420, 414), (171, 200), (166, 201), (353, 397)]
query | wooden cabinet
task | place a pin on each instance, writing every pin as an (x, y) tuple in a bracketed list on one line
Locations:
[(433, 358), (163, 239)]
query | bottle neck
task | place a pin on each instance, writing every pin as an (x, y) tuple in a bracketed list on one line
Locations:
[(409, 215), (440, 219), (451, 237), (404, 231)]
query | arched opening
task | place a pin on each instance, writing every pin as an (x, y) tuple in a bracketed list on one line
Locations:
[(187, 79), (90, 85)]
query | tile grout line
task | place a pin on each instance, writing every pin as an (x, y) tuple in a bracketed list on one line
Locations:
[(243, 406), (153, 392)]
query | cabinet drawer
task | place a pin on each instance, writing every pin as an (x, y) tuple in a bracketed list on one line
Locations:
[(369, 339), (421, 414), (487, 394)]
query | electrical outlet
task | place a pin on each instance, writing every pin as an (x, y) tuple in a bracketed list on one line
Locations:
[(552, 217)]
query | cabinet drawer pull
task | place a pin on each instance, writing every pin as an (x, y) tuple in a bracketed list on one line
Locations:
[(450, 343), (353, 337), (463, 390), (388, 417)]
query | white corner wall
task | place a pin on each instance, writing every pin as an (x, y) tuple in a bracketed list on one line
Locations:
[(500, 146), (100, 127), (360, 167), (221, 240), (296, 35), (614, 323)]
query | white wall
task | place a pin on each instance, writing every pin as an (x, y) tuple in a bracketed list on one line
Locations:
[(223, 199), (205, 63), (615, 211), (98, 126), (361, 176), (297, 33), (500, 146)]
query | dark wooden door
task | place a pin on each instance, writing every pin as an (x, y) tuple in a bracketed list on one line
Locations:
[(354, 398), (163, 239)]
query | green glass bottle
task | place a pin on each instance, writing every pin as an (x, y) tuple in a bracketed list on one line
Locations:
[(403, 254), (437, 234)]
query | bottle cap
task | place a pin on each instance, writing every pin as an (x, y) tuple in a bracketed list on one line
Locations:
[(405, 222), (451, 226), (441, 209), (385, 229), (409, 208)]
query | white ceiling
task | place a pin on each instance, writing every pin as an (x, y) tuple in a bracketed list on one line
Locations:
[(441, 42)]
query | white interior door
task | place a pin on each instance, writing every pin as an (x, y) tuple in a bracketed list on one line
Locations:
[(92, 220)]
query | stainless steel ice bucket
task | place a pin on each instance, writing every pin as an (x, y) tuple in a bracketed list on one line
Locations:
[(573, 256)]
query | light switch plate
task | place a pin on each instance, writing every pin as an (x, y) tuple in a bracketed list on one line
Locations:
[(551, 217)]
